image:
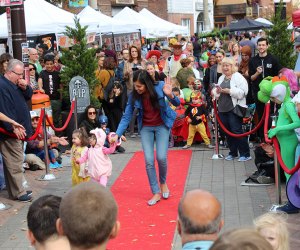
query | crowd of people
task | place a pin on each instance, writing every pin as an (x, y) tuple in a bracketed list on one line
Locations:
[(141, 96)]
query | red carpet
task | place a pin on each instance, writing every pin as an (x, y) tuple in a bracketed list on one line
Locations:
[(144, 227)]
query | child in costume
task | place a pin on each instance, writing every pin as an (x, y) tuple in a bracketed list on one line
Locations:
[(277, 90), (103, 120), (196, 116), (100, 166), (79, 148)]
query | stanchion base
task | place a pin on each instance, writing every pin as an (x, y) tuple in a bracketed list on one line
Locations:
[(217, 157), (47, 177), (274, 207), (4, 206)]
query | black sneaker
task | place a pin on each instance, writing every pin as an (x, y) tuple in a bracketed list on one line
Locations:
[(25, 198), (288, 208), (29, 192), (120, 149)]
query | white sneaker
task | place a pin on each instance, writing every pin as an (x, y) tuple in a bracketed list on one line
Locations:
[(244, 158), (186, 146)]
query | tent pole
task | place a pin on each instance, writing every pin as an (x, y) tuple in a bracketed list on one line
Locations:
[(100, 40), (113, 40), (57, 45)]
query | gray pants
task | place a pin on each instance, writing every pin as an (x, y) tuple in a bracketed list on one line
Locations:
[(12, 155), (32, 159)]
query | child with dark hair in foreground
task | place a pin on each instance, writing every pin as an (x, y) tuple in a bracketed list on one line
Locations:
[(88, 226), (41, 220)]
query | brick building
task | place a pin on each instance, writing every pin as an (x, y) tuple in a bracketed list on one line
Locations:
[(112, 7), (227, 10)]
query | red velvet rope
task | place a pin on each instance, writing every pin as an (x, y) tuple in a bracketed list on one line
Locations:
[(66, 123), (3, 131), (237, 135), (283, 166)]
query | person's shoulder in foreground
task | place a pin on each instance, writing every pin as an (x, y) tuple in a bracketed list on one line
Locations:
[(199, 219), (41, 219), (88, 216)]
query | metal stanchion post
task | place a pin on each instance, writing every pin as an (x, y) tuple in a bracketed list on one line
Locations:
[(4, 206), (216, 155), (75, 113), (48, 176), (277, 174)]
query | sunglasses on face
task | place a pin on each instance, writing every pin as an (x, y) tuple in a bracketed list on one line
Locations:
[(31, 69), (92, 113), (35, 119)]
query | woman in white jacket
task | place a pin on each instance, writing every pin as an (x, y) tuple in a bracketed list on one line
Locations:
[(232, 89)]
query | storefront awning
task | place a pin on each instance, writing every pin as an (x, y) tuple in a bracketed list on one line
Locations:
[(229, 2)]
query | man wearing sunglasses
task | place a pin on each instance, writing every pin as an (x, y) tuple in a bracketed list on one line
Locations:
[(14, 92)]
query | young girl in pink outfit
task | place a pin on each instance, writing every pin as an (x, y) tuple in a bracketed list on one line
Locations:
[(99, 166)]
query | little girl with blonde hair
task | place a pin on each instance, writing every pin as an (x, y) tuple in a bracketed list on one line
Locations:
[(273, 227)]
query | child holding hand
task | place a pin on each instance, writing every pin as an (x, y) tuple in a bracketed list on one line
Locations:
[(100, 165), (79, 148)]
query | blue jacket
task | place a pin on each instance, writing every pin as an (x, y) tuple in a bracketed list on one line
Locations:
[(167, 114)]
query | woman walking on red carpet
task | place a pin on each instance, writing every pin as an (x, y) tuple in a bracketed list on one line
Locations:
[(155, 120)]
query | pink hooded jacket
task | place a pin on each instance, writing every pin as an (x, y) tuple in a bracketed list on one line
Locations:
[(99, 163)]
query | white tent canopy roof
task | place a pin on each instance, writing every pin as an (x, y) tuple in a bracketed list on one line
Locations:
[(263, 20), (41, 18), (98, 22), (148, 28), (177, 29)]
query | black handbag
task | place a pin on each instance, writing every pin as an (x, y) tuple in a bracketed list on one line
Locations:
[(239, 111)]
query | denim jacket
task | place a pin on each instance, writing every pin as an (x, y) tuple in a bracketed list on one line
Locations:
[(167, 114)]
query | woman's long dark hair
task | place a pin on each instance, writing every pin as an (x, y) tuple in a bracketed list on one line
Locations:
[(143, 77), (36, 75)]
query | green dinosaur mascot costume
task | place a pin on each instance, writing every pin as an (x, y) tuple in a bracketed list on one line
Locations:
[(277, 90)]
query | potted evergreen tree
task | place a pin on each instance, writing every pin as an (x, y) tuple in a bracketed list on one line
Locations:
[(78, 60)]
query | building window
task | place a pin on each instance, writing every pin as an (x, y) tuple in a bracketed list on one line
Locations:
[(186, 22), (220, 21)]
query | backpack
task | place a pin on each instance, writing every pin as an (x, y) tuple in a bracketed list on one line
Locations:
[(103, 93), (109, 87)]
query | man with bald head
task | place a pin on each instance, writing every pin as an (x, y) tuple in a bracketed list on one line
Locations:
[(34, 59), (199, 219)]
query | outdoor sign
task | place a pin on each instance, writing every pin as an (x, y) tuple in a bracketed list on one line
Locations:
[(78, 3), (25, 52), (9, 38), (79, 87), (124, 1), (10, 2)]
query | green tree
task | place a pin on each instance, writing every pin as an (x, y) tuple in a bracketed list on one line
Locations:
[(79, 60), (281, 44)]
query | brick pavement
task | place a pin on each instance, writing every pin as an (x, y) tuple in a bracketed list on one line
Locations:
[(222, 178)]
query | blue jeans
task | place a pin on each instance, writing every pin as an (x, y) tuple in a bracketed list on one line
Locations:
[(234, 124), (41, 153), (161, 136)]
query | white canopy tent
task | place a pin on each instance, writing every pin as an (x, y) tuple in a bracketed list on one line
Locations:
[(41, 18), (149, 29), (263, 20), (100, 23), (176, 29)]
